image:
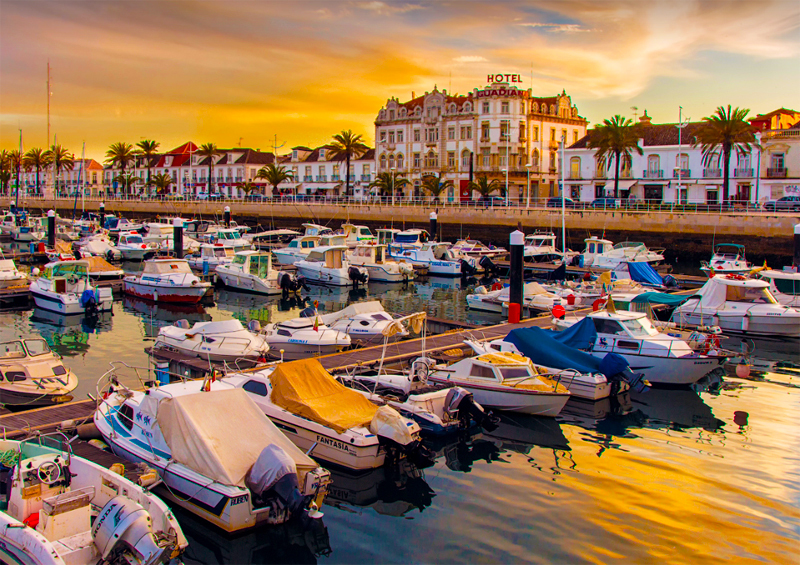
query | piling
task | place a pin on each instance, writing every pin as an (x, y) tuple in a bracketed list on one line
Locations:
[(102, 214), (516, 247), (51, 228), (796, 259), (177, 237), (433, 218), (226, 216)]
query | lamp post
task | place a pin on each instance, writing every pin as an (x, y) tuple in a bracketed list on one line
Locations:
[(563, 203), (392, 169), (506, 172), (528, 189), (680, 126)]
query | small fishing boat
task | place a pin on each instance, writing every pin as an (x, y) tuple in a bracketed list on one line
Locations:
[(232, 239), (738, 304), (99, 245), (10, 276), (436, 257), (251, 271), (727, 259), (534, 297), (212, 255), (65, 288), (60, 509), (357, 235), (192, 434), (134, 248), (117, 226), (364, 322), (34, 375), (380, 267), (329, 266), (227, 341), (540, 247), (474, 248), (326, 419), (30, 229), (166, 280), (297, 249), (784, 286), (316, 230), (271, 239), (299, 338), (603, 254), (504, 381)]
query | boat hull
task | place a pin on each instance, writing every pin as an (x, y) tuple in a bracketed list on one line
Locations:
[(778, 325), (247, 283), (334, 277), (177, 294), (293, 351), (68, 305), (684, 370), (512, 400)]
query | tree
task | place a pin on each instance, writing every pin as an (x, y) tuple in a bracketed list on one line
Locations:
[(120, 155), (162, 182), (210, 150), (484, 187), (60, 158), (15, 162), (435, 185), (347, 145), (726, 130), (614, 139), (36, 158), (148, 149), (247, 187), (5, 171), (387, 182), (126, 180), (274, 175)]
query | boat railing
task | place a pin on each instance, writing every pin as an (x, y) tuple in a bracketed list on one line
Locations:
[(121, 372), (562, 374)]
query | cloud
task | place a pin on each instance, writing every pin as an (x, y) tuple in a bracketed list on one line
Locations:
[(470, 59), (383, 8), (557, 28)]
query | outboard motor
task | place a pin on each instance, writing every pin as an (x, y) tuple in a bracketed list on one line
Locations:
[(275, 474), (309, 312), (670, 282), (288, 284), (89, 303), (616, 368), (460, 404), (357, 276), (467, 270), (487, 264), (123, 532)]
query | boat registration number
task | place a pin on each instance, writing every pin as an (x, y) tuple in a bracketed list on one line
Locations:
[(238, 500)]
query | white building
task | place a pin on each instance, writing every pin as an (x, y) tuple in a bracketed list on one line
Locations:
[(316, 173), (85, 172), (780, 163), (499, 131)]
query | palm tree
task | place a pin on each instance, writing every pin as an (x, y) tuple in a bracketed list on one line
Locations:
[(726, 130), (162, 183), (614, 139), (347, 145), (36, 158), (5, 171), (15, 161), (147, 148), (247, 187), (209, 150), (127, 180), (388, 182), (120, 155), (60, 158), (274, 175), (435, 185), (484, 187)]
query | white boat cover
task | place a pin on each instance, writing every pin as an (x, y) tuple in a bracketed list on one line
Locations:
[(209, 328), (166, 266), (716, 291), (7, 265), (353, 310), (220, 434)]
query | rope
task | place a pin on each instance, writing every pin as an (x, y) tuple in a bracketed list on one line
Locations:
[(9, 458)]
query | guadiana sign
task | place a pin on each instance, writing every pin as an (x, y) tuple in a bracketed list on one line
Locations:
[(500, 91)]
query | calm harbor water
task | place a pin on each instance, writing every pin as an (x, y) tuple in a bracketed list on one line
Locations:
[(703, 475)]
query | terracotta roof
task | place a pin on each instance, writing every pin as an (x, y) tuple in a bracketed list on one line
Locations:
[(653, 135), (785, 111), (253, 157)]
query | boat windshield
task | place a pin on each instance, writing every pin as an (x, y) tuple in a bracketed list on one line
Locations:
[(629, 245), (515, 372), (787, 286), (228, 235), (406, 238), (639, 327), (134, 239), (12, 350), (750, 295), (66, 269), (36, 347), (239, 259)]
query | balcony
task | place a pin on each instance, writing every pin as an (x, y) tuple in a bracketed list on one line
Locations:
[(366, 178), (776, 173), (712, 173), (740, 173), (335, 178), (322, 178), (307, 178), (575, 175), (653, 174), (681, 173)]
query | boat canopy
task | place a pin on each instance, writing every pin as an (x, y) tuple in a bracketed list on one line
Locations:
[(65, 269), (210, 328), (735, 288), (355, 309), (100, 265), (660, 298), (639, 271), (305, 388), (163, 267), (202, 434)]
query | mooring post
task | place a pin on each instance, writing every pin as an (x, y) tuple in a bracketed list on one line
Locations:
[(517, 243), (433, 218), (177, 237), (796, 259), (226, 216), (102, 214), (51, 228)]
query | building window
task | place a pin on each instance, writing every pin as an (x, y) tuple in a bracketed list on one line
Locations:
[(383, 137), (485, 157), (451, 133), (465, 159), (504, 108), (391, 137), (522, 130), (308, 171), (564, 135), (522, 108), (417, 161), (574, 136), (466, 132), (504, 130), (391, 114), (653, 165), (431, 161), (553, 160), (321, 170), (485, 107), (535, 133), (743, 163), (431, 135), (399, 159), (399, 136), (535, 158), (778, 161), (552, 134), (451, 159), (485, 131), (391, 161), (575, 168), (416, 135)]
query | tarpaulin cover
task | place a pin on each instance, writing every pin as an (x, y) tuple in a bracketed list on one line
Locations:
[(271, 466), (558, 274), (389, 423), (642, 272), (99, 265), (546, 348), (660, 298), (305, 388), (221, 434)]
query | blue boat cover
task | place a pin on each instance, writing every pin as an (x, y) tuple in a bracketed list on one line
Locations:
[(660, 298), (642, 272)]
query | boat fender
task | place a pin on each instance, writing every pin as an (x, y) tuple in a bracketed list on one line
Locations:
[(118, 468), (495, 286), (155, 295), (746, 322), (88, 431), (571, 300)]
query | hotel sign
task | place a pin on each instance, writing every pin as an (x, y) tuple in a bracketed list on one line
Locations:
[(504, 78)]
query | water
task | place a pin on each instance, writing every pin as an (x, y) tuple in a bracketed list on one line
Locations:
[(707, 475)]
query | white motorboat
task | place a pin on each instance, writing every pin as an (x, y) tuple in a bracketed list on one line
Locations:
[(784, 286), (251, 271), (316, 229), (534, 297), (81, 512), (741, 305), (357, 235), (190, 246), (436, 257), (212, 255), (297, 249), (31, 229), (271, 239), (166, 280), (64, 287), (117, 226), (34, 375), (299, 338), (364, 322), (504, 381), (379, 265), (385, 236), (329, 266), (232, 238), (10, 276), (603, 254), (728, 258), (474, 248), (326, 419), (193, 434), (540, 247), (227, 341), (415, 237), (99, 245), (134, 248), (201, 230)]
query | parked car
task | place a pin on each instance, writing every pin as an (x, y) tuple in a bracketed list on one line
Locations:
[(605, 202), (791, 203), (255, 198), (555, 202), (494, 201)]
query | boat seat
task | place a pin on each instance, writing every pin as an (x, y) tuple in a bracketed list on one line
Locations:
[(66, 514)]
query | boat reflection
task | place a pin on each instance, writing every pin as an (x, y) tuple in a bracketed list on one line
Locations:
[(460, 455), (156, 315), (286, 543), (69, 335), (391, 490), (675, 409)]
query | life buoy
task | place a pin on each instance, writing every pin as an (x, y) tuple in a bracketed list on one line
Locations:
[(497, 286), (711, 341)]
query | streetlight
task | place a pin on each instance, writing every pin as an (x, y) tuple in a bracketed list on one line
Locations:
[(528, 201), (506, 172), (393, 169), (680, 126)]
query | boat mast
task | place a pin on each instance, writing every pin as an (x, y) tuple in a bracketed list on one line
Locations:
[(563, 203), (16, 203)]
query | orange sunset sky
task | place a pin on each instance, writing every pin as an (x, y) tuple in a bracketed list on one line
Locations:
[(234, 72)]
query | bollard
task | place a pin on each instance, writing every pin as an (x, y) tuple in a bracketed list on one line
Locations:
[(162, 372), (226, 216), (177, 237), (51, 229), (796, 260), (433, 218), (102, 214), (515, 273)]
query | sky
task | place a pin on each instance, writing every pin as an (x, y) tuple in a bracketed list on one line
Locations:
[(284, 73)]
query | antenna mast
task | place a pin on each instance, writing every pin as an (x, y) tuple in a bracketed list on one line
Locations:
[(49, 94)]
